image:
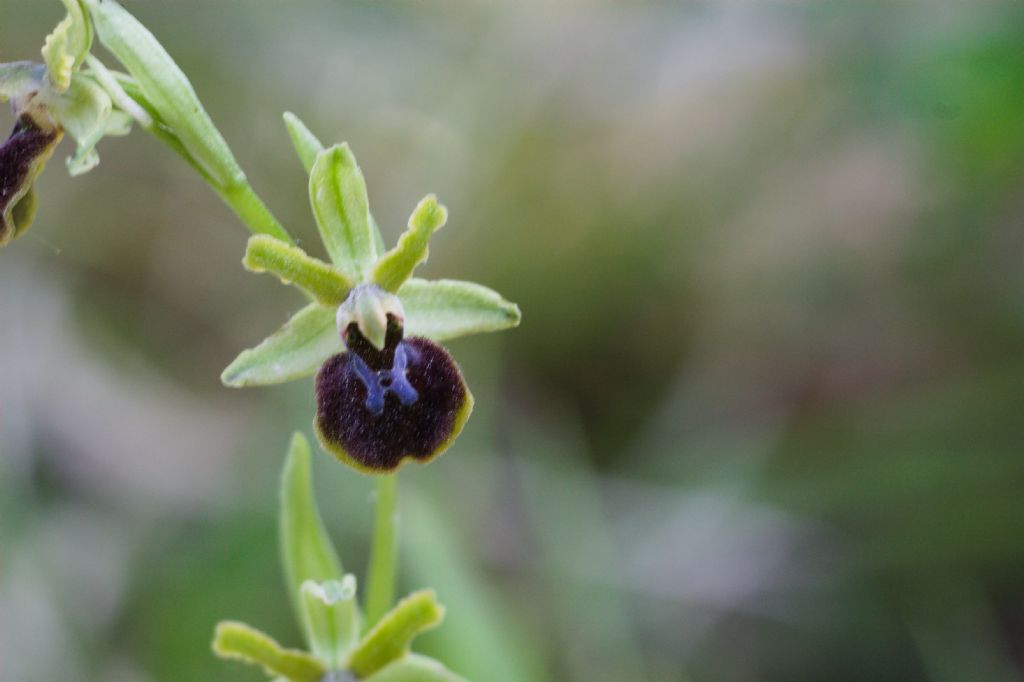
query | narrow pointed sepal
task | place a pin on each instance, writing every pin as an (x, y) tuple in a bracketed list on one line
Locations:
[(376, 409), (295, 350)]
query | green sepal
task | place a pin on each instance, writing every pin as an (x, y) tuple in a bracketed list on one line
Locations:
[(415, 668), (330, 616), (390, 639), (337, 192), (295, 350), (306, 551), (446, 308), (306, 144), (397, 265), (238, 641), (67, 45), (86, 112), (307, 147), (293, 266)]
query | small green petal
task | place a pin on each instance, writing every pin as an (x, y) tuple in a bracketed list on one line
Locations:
[(337, 192), (390, 639), (330, 617), (415, 668), (295, 350), (306, 549), (67, 46), (397, 265), (445, 309), (292, 266), (238, 641)]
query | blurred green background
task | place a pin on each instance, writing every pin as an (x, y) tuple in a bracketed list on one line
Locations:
[(764, 418)]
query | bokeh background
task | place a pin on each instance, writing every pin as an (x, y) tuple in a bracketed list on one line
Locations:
[(763, 418)]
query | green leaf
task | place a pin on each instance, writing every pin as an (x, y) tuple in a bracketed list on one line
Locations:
[(445, 308), (307, 146), (67, 46), (396, 266), (238, 641), (330, 616), (295, 350), (390, 639), (306, 550), (292, 266), (337, 193), (415, 668)]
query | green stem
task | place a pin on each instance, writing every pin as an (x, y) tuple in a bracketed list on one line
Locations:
[(380, 593)]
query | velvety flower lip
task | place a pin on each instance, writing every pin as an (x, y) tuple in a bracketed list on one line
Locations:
[(21, 158), (376, 408)]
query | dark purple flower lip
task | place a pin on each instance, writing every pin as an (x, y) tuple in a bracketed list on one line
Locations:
[(377, 408), (22, 158)]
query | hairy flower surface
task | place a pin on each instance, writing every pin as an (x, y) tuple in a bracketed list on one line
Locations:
[(375, 408)]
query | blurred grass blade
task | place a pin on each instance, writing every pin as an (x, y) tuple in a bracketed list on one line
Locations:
[(306, 144), (240, 642), (397, 265), (337, 192), (306, 550), (391, 637), (414, 668), (331, 617), (445, 308), (293, 266), (295, 350), (481, 640)]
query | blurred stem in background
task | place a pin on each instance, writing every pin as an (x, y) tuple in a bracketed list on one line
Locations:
[(384, 553)]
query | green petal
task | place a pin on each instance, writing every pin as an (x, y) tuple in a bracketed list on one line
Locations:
[(415, 668), (238, 641), (306, 550), (330, 618), (445, 308), (292, 266), (390, 639), (397, 265), (85, 111), (337, 192), (67, 46), (295, 350)]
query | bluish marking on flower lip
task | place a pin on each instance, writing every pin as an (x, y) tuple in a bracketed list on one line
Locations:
[(379, 384)]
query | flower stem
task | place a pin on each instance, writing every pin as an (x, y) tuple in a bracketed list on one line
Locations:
[(380, 593)]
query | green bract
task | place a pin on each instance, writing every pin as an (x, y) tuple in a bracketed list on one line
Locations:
[(327, 608)]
